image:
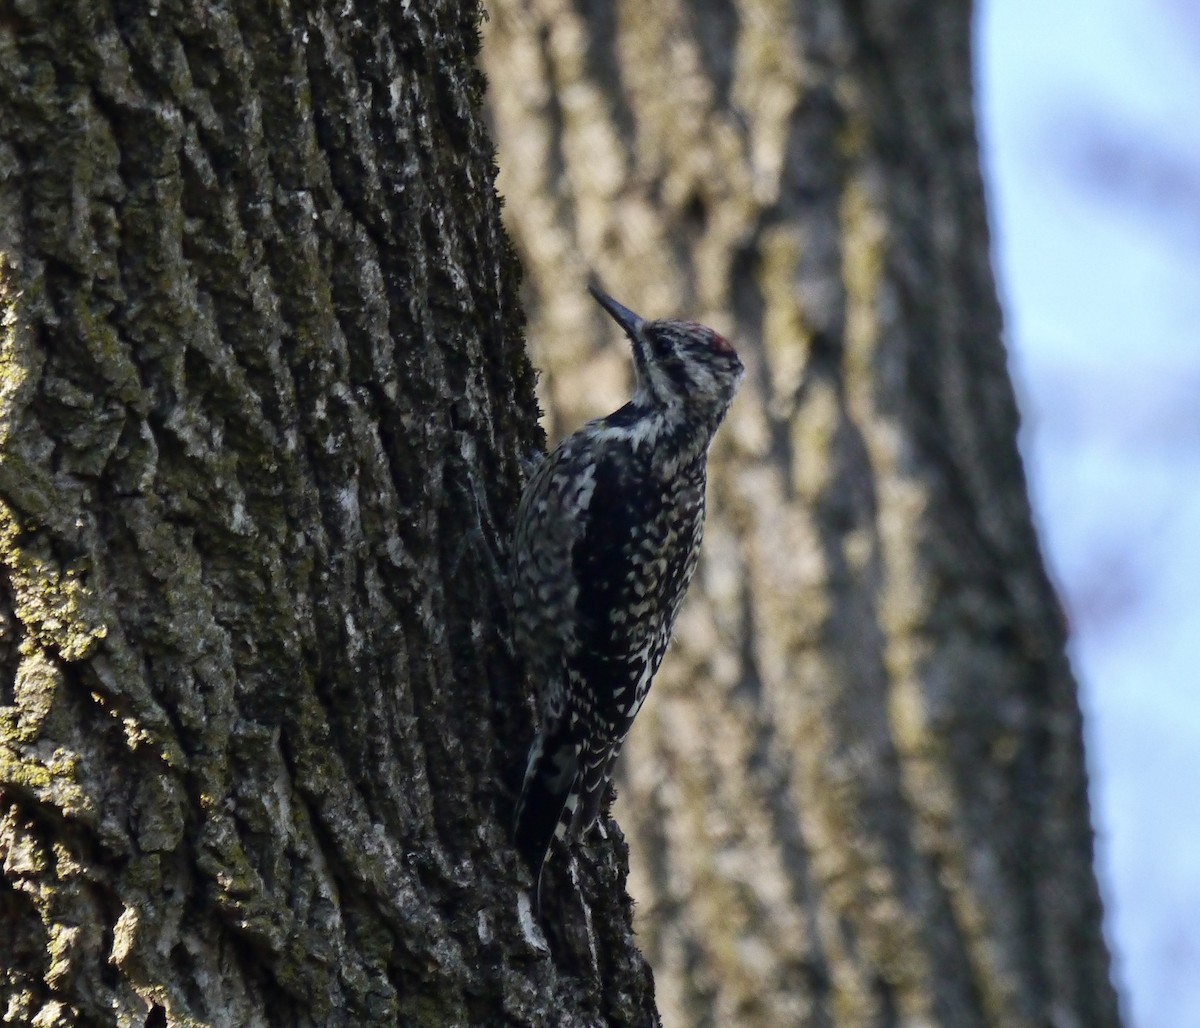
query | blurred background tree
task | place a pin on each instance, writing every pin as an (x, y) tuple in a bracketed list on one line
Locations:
[(857, 794)]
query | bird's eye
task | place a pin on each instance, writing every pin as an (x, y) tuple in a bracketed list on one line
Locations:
[(660, 342)]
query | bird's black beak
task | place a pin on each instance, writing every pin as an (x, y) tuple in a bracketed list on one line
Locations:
[(622, 315)]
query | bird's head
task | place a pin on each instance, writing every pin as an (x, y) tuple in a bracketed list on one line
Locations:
[(684, 367)]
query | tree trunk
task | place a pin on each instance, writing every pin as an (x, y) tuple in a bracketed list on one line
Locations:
[(857, 793), (262, 384)]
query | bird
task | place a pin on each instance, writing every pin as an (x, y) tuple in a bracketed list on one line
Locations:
[(606, 542)]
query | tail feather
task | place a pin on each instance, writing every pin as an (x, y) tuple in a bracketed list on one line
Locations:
[(549, 801), (594, 776)]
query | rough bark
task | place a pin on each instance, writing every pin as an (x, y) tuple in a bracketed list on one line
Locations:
[(857, 794), (262, 383)]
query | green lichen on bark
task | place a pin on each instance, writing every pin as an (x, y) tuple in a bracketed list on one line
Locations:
[(261, 373)]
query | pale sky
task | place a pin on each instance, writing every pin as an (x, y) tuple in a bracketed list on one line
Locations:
[(1090, 114)]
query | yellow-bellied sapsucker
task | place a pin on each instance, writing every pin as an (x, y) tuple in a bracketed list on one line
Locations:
[(608, 535)]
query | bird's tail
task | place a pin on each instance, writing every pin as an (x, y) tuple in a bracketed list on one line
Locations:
[(595, 771), (549, 799)]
